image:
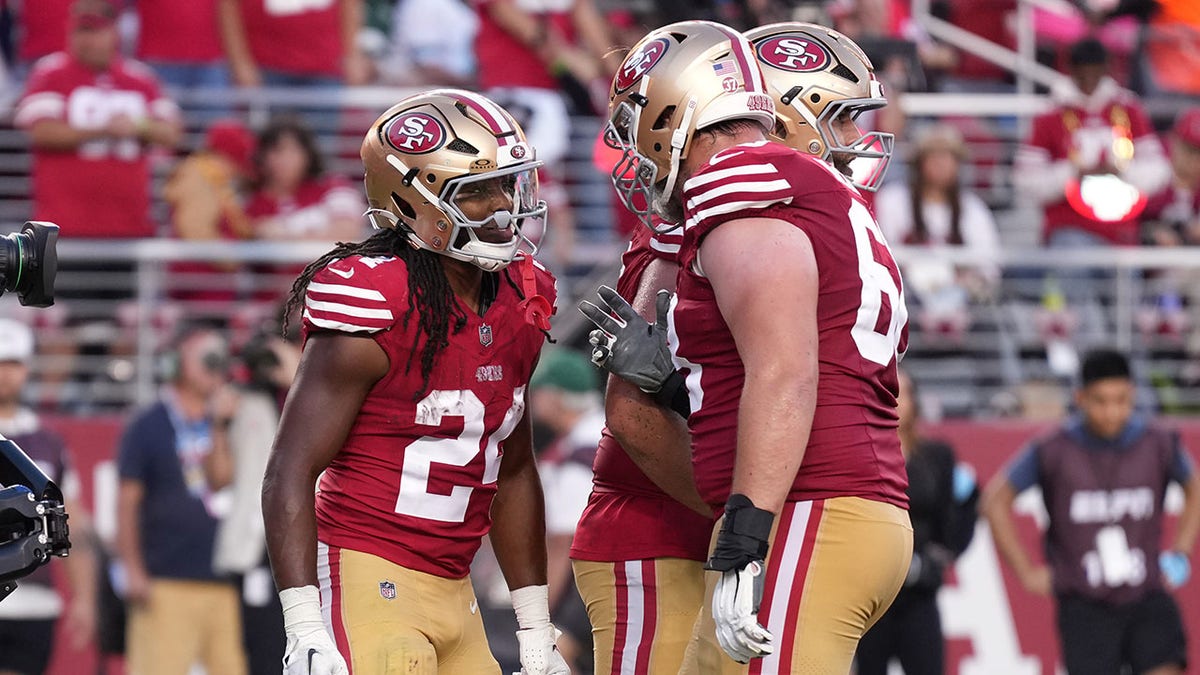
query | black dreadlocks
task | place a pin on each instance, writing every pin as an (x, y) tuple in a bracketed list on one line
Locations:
[(428, 290)]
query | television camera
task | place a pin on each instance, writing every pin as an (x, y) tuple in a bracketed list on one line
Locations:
[(33, 520)]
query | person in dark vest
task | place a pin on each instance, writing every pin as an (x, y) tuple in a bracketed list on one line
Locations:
[(1104, 474), (942, 498)]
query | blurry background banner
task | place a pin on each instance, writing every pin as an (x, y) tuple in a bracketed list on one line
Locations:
[(992, 625)]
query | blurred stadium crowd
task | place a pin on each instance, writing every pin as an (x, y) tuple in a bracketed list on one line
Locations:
[(196, 154)]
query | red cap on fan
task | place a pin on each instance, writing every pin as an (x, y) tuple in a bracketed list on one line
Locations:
[(92, 14), (231, 138)]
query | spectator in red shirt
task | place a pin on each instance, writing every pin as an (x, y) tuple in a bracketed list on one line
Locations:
[(1097, 129), (92, 117), (181, 41), (1173, 215), (526, 51), (1172, 218), (523, 47), (295, 200), (1089, 163), (292, 43)]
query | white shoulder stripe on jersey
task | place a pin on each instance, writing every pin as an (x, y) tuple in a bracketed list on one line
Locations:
[(348, 291), (665, 248), (730, 207), (339, 325), (349, 310), (721, 174), (730, 188), (37, 106)]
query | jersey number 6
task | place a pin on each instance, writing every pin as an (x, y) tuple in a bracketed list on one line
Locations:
[(414, 498), (880, 292)]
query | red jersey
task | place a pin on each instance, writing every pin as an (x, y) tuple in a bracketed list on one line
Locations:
[(302, 37), (101, 188), (306, 214), (414, 481), (627, 516), (179, 32), (43, 25), (1070, 132), (853, 449), (503, 60)]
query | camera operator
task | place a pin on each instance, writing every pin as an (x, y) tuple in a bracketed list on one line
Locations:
[(173, 462), (28, 616)]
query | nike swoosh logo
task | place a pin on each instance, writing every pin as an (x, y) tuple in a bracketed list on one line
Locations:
[(474, 606), (344, 275), (311, 654)]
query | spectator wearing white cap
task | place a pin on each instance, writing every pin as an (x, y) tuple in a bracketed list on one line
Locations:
[(29, 615)]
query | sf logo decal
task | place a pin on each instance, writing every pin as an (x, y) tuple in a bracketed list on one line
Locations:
[(793, 52), (640, 62), (416, 133)]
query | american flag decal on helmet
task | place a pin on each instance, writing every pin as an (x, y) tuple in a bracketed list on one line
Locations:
[(725, 68)]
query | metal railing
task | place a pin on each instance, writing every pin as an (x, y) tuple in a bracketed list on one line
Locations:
[(1002, 345)]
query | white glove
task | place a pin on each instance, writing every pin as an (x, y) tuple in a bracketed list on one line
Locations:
[(537, 636), (539, 653), (735, 611), (310, 650)]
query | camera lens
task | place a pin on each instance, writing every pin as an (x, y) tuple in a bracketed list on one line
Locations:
[(29, 262)]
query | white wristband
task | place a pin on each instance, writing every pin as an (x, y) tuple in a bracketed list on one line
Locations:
[(532, 605), (301, 605)]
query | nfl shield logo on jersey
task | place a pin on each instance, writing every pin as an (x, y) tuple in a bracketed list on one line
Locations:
[(387, 590), (485, 335)]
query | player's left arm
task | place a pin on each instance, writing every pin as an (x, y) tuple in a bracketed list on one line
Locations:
[(771, 310), (519, 540), (519, 512)]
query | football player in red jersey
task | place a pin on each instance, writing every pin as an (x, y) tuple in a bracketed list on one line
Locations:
[(408, 411), (787, 323), (639, 550)]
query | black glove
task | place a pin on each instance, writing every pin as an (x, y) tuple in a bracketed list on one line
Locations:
[(627, 346), (743, 537)]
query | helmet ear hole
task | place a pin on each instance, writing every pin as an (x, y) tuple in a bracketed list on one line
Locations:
[(404, 207), (664, 118)]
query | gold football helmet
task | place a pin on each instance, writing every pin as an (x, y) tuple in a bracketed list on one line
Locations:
[(816, 75), (678, 79), (453, 170)]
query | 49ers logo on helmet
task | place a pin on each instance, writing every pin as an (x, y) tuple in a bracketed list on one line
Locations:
[(640, 62), (794, 52), (415, 133)]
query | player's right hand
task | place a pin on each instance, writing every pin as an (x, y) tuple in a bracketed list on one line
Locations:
[(310, 650), (735, 612), (738, 555), (627, 345)]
